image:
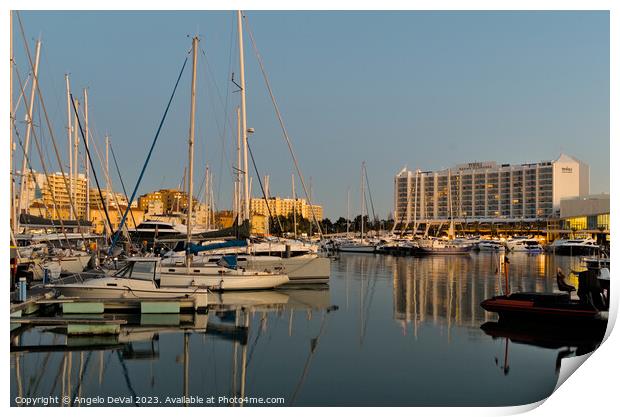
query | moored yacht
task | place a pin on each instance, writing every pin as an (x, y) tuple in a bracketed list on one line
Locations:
[(574, 247), (524, 245)]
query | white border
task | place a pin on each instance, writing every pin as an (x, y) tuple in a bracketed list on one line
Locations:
[(591, 391)]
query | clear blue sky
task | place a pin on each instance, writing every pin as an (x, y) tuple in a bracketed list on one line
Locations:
[(422, 89)]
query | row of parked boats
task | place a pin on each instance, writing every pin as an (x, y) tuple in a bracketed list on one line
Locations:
[(430, 246), (83, 270)]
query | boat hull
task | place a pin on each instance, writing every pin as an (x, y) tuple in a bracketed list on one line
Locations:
[(575, 250), (358, 249), (536, 307), (95, 292), (299, 269), (222, 282)]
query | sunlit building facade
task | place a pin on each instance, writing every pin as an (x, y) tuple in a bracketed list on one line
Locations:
[(489, 191)]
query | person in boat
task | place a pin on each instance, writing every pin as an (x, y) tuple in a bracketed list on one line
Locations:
[(562, 284), (589, 289)]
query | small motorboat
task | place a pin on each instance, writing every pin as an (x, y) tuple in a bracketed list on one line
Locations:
[(591, 307)]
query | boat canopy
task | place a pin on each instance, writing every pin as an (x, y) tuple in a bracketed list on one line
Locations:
[(194, 249)]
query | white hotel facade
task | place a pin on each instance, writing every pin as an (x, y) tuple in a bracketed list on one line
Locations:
[(488, 191)]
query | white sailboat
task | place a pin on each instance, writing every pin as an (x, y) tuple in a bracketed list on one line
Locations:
[(212, 274), (363, 245)]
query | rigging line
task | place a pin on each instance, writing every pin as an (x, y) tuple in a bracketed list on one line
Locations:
[(76, 390), (77, 116), (118, 171), (281, 121), (260, 182), (126, 375), (29, 164), (372, 206), (107, 177), (314, 343), (45, 171), (228, 123), (161, 123), (48, 123)]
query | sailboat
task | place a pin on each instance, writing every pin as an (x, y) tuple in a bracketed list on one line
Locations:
[(363, 245), (449, 246), (215, 275)]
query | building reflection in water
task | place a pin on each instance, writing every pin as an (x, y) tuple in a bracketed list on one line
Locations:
[(447, 290)]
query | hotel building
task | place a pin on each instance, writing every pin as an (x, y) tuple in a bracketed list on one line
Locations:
[(488, 191)]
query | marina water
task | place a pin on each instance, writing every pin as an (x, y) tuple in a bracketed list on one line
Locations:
[(387, 331)]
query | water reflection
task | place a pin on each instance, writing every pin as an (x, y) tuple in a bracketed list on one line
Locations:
[(407, 332), (135, 363)]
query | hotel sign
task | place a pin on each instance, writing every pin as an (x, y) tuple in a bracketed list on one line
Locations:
[(567, 170)]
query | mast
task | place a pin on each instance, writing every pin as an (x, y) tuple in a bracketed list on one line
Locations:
[(362, 198), (238, 170), (207, 188), (76, 142), (13, 213), (348, 210), (24, 177), (244, 131), (69, 130), (107, 174), (294, 207), (86, 164), (451, 228), (190, 174), (415, 204)]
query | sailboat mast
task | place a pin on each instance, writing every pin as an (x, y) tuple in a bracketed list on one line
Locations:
[(86, 164), (238, 170), (192, 117), (23, 184), (107, 175), (294, 207), (362, 198), (13, 212), (207, 198), (348, 210), (69, 140), (244, 129), (75, 155)]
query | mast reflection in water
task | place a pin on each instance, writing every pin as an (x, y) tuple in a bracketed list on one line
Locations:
[(388, 331)]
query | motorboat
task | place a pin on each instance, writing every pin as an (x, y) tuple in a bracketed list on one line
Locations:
[(590, 308), (444, 247), (574, 247), (490, 246), (526, 245), (140, 278)]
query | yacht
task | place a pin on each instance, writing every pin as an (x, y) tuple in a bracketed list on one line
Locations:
[(443, 247), (524, 245), (574, 247), (490, 246)]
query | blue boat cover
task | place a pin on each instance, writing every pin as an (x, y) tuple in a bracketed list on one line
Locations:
[(194, 249)]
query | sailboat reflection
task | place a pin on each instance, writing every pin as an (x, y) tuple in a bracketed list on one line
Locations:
[(233, 318), (569, 342)]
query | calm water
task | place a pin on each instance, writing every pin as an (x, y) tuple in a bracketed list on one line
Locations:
[(388, 331)]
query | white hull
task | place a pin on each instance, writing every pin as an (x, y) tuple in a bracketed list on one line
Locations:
[(227, 281), (303, 269), (358, 248), (117, 288), (299, 269)]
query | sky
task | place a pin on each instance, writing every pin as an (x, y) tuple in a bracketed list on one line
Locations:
[(420, 89)]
